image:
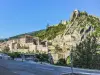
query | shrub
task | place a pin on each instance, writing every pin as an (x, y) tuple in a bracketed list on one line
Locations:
[(61, 62), (14, 55), (68, 61), (42, 57)]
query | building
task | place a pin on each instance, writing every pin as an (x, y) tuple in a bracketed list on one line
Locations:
[(26, 43)]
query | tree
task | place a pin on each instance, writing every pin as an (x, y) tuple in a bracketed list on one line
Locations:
[(61, 62), (85, 53), (14, 55)]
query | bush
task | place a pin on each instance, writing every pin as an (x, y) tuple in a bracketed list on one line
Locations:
[(51, 32), (14, 55), (68, 61), (42, 57), (61, 62)]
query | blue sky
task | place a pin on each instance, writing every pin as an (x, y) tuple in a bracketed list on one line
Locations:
[(21, 16)]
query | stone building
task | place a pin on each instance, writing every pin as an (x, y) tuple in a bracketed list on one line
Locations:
[(27, 43)]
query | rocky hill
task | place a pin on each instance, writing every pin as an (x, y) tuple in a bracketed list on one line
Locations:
[(67, 34), (80, 26)]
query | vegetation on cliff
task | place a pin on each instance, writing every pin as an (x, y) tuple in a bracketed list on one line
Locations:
[(49, 33)]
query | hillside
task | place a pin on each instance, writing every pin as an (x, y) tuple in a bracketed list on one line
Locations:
[(49, 33), (67, 34), (80, 25)]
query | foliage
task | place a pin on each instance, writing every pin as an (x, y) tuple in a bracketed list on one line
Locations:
[(2, 40), (85, 54), (49, 33), (14, 55), (61, 62), (40, 34), (83, 13), (68, 61), (42, 57), (53, 31)]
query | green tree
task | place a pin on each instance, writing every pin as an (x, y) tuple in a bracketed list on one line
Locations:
[(14, 55), (84, 55), (42, 57), (61, 62)]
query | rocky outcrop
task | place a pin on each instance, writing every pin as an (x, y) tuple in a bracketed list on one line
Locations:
[(79, 27), (75, 15)]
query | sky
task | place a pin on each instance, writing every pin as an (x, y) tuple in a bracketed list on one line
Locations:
[(21, 16)]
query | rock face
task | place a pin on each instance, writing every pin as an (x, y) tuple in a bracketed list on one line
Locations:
[(78, 28), (75, 15)]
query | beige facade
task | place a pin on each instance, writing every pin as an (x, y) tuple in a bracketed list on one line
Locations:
[(27, 43)]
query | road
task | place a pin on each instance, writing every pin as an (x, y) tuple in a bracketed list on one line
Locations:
[(25, 68), (4, 71)]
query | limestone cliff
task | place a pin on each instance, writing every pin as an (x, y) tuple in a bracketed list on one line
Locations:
[(78, 28)]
